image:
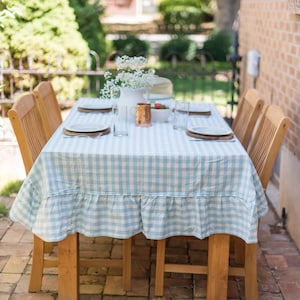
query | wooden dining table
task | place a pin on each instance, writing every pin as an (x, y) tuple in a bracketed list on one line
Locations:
[(157, 181)]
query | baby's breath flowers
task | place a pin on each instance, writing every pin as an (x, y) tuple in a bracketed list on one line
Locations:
[(131, 74)]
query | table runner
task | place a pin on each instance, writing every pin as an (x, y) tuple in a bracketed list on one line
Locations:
[(156, 181)]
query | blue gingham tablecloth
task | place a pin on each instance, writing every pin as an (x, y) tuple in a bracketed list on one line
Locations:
[(156, 181)]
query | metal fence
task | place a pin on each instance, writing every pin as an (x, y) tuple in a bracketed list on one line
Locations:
[(27, 73), (195, 80)]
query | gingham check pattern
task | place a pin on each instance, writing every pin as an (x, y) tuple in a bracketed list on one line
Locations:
[(154, 181)]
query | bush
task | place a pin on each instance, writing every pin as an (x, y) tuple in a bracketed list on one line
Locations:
[(44, 30), (131, 46), (183, 48), (165, 4), (182, 19), (185, 16), (219, 45)]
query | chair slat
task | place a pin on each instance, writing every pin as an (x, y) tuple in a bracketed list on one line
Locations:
[(249, 109), (48, 106)]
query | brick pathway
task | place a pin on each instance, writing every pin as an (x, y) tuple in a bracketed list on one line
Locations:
[(278, 267)]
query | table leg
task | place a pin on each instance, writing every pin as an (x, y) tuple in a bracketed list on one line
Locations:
[(68, 268), (160, 267), (127, 243), (218, 264), (251, 288)]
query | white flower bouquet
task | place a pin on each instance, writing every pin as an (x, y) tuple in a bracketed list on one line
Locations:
[(131, 74)]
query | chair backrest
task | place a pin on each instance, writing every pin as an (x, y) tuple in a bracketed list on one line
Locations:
[(267, 140), (28, 127), (48, 106), (249, 109)]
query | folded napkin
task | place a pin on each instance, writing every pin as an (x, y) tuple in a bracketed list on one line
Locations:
[(209, 137), (102, 110), (92, 134)]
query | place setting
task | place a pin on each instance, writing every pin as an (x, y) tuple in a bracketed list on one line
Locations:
[(196, 109), (210, 134), (100, 105), (86, 130)]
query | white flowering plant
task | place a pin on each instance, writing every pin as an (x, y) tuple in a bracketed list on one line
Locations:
[(131, 73)]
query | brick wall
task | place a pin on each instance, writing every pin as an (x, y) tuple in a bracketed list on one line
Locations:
[(270, 27)]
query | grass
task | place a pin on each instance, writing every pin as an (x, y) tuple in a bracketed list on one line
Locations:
[(3, 210), (10, 188)]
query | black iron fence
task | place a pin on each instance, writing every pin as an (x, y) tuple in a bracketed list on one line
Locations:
[(197, 80), (29, 71)]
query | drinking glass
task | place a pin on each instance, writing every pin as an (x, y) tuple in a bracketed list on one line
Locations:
[(120, 125), (181, 114)]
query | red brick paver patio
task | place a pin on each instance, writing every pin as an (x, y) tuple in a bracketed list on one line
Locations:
[(278, 267)]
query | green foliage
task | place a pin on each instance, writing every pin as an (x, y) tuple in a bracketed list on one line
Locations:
[(87, 17), (219, 45), (185, 16), (7, 13), (182, 47), (167, 4), (183, 19), (131, 46), (11, 187), (44, 30), (3, 210)]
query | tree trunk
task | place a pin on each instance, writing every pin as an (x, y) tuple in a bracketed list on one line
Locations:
[(226, 13)]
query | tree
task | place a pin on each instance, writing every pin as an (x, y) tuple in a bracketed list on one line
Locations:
[(45, 30), (226, 14), (87, 16)]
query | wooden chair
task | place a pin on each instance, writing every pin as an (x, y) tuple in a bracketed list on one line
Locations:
[(249, 109), (48, 106), (264, 147), (27, 124), (28, 127), (263, 151)]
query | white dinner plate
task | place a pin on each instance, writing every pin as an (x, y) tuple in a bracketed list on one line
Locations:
[(156, 97), (96, 106), (83, 127), (211, 131), (198, 108)]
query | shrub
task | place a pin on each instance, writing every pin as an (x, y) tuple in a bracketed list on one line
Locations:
[(131, 46), (219, 45), (182, 19), (182, 47), (165, 4), (44, 30), (185, 16)]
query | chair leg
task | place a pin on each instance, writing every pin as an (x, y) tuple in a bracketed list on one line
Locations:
[(127, 243), (251, 287), (160, 267), (36, 276)]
